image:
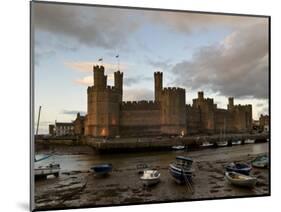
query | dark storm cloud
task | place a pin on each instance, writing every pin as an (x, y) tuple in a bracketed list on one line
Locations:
[(112, 27), (103, 27), (237, 67)]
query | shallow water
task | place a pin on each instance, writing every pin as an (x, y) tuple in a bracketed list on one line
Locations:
[(83, 162)]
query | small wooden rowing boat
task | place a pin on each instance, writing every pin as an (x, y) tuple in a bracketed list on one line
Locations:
[(242, 180)]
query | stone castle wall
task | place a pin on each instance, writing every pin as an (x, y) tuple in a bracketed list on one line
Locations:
[(140, 118), (108, 116)]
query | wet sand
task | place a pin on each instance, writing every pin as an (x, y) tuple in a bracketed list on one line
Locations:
[(77, 187)]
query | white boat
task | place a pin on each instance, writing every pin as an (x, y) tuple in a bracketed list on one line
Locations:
[(240, 179), (207, 144), (44, 171), (249, 141), (150, 177), (236, 142), (221, 143), (180, 147)]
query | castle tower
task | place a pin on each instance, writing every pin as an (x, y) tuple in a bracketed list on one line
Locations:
[(158, 85), (103, 106), (99, 77), (118, 84), (230, 105), (173, 113), (201, 95)]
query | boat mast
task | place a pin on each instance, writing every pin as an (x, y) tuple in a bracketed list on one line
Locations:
[(38, 120)]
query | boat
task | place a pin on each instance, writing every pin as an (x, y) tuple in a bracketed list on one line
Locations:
[(179, 147), (236, 142), (207, 144), (239, 179), (41, 158), (101, 169), (249, 141), (150, 177), (41, 172), (222, 142), (181, 169), (260, 161), (242, 168)]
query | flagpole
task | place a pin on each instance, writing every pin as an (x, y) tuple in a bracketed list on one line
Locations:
[(118, 63)]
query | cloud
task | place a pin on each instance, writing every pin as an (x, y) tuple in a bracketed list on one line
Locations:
[(72, 112), (237, 66), (137, 94), (188, 22), (86, 81), (129, 81), (99, 27), (160, 64), (111, 28)]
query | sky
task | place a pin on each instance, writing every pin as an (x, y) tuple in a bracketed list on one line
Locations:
[(222, 55)]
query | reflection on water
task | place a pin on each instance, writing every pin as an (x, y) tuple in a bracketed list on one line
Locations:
[(84, 161)]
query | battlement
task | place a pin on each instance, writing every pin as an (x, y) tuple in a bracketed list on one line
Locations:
[(158, 73), (108, 88), (118, 73), (173, 90), (243, 107), (98, 68), (140, 105)]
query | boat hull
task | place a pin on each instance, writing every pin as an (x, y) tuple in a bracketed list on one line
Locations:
[(242, 170), (246, 180), (150, 182), (101, 169), (43, 172), (180, 175)]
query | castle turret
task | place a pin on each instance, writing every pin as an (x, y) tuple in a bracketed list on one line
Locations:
[(158, 85), (118, 83), (201, 95), (173, 113), (103, 105), (230, 105), (100, 80)]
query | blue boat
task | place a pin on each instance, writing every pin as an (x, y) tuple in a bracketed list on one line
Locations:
[(241, 168), (102, 169), (181, 169)]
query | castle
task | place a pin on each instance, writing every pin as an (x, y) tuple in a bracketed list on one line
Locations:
[(109, 116)]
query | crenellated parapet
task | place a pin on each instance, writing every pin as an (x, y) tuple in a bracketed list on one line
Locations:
[(140, 105)]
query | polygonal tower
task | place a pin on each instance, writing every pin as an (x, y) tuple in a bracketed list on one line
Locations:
[(103, 105), (118, 84), (158, 85)]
